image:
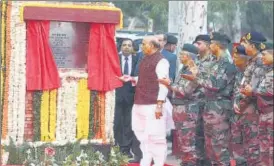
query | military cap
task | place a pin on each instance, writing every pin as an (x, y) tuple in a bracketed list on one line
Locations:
[(243, 38), (171, 39), (205, 38), (240, 50), (255, 37), (222, 38), (190, 48), (193, 51), (266, 46)]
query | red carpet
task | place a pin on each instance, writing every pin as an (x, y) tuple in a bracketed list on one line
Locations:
[(139, 165)]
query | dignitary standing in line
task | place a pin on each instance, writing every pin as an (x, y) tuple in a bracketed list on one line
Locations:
[(162, 39), (149, 113), (123, 134)]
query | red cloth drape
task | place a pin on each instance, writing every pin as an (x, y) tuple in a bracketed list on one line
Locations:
[(42, 73), (103, 60)]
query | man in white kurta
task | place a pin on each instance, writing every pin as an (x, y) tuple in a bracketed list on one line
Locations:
[(149, 113)]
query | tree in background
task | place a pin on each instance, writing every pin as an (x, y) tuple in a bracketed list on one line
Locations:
[(154, 9), (238, 18), (233, 18)]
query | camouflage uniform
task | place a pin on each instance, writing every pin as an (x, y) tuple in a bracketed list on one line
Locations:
[(186, 114), (264, 93), (239, 127), (203, 65), (252, 76), (218, 85)]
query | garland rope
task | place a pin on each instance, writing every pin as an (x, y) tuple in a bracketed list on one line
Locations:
[(91, 132), (36, 112), (7, 46), (83, 107)]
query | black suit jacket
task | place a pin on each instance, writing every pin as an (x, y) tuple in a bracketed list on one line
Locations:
[(125, 93)]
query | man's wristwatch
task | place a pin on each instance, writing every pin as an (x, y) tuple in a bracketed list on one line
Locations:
[(159, 106)]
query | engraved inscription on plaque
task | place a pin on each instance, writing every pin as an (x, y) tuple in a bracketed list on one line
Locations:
[(69, 43)]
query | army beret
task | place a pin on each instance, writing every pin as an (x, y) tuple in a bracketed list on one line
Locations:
[(205, 38), (222, 38), (240, 50), (255, 37), (171, 39), (266, 46), (243, 38), (190, 48)]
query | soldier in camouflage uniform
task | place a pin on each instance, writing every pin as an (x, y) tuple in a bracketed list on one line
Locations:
[(205, 58), (202, 42), (239, 118), (252, 76), (264, 95), (186, 110), (218, 85)]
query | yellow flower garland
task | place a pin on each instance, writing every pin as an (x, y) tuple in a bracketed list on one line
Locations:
[(7, 30), (83, 105), (52, 114), (73, 6), (44, 118), (48, 115), (2, 44)]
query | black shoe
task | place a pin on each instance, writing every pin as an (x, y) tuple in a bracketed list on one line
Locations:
[(134, 161)]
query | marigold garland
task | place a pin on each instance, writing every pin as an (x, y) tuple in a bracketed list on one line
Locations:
[(3, 47), (91, 132), (83, 110), (48, 115), (7, 72), (95, 112), (29, 120), (52, 115), (100, 116), (36, 112), (44, 115)]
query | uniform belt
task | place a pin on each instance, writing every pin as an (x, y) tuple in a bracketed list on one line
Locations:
[(175, 101), (210, 98)]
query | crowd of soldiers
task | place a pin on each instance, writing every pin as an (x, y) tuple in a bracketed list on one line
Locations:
[(223, 109), (222, 104)]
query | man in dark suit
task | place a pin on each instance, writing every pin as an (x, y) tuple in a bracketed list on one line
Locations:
[(172, 58), (123, 133)]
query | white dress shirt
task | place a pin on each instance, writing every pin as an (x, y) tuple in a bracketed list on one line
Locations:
[(129, 61)]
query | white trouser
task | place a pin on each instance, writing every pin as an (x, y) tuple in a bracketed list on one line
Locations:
[(151, 133)]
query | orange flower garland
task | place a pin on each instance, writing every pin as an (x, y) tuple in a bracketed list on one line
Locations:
[(6, 88), (99, 117), (28, 132)]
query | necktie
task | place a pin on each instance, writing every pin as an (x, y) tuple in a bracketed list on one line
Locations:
[(126, 66)]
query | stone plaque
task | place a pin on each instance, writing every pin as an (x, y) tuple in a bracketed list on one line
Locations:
[(69, 43)]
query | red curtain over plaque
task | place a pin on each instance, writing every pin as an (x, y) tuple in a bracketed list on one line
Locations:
[(42, 73), (103, 61)]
